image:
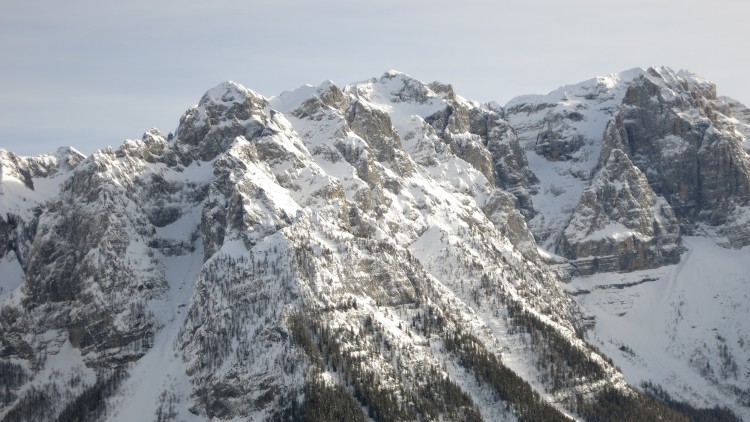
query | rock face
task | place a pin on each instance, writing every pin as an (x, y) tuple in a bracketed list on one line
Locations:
[(620, 224), (19, 219), (225, 112), (672, 126), (343, 253), (561, 136), (511, 170)]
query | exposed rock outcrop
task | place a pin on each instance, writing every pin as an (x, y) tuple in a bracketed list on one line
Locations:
[(672, 128), (225, 112), (620, 224)]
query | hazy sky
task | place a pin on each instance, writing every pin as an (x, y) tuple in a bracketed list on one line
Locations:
[(92, 73)]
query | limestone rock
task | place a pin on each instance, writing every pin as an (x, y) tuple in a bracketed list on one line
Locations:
[(225, 112), (620, 224), (672, 128)]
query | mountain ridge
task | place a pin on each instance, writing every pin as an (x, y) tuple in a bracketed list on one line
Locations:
[(353, 239)]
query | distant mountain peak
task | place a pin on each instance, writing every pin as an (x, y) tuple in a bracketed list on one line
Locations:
[(228, 92), (387, 250)]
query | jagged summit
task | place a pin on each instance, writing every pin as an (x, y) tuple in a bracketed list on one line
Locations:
[(287, 101), (398, 87), (599, 88), (393, 73), (386, 249), (227, 92), (681, 80)]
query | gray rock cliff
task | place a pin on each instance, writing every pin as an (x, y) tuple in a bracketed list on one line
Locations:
[(620, 224)]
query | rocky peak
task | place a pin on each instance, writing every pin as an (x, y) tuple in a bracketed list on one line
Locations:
[(445, 91), (26, 169), (153, 147), (401, 87), (559, 124), (13, 166), (240, 103), (679, 83), (312, 102), (67, 158), (672, 126), (225, 112), (26, 186), (476, 134), (398, 87)]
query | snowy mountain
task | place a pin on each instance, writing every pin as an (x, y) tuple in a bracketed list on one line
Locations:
[(388, 250)]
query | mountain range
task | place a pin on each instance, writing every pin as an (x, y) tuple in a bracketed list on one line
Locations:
[(389, 250)]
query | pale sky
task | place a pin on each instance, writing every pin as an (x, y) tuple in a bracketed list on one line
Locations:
[(91, 74)]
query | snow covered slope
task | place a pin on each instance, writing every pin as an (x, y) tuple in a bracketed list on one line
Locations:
[(367, 251), (678, 326)]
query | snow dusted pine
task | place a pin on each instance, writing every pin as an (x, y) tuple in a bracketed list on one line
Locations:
[(370, 252)]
